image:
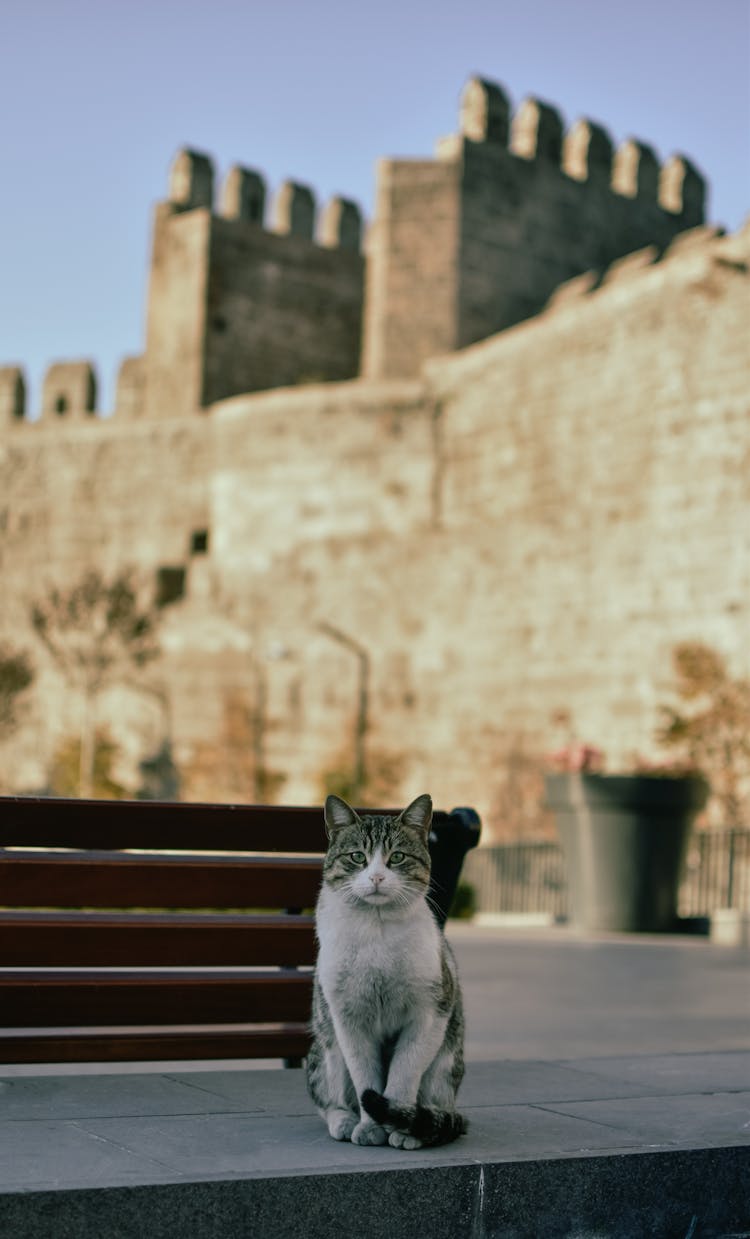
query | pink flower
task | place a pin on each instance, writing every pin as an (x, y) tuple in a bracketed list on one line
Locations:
[(577, 759)]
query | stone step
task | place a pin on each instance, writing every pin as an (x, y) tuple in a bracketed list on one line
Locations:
[(648, 1145)]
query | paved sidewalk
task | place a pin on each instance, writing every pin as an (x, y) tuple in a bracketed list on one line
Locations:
[(555, 994), (647, 1146), (617, 1103), (101, 1131)]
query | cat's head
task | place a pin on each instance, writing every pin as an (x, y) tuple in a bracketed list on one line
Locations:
[(375, 860)]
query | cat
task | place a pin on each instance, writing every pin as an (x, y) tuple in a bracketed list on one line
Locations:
[(387, 1052)]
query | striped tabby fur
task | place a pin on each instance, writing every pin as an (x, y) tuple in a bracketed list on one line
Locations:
[(387, 1053)]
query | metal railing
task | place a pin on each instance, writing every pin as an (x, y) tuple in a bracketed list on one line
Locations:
[(518, 878), (717, 873), (527, 878)]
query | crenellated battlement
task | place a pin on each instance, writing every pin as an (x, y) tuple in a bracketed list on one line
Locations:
[(250, 290), (703, 243), (236, 304), (69, 390), (537, 132), (512, 206), (585, 152), (243, 196), (69, 393)]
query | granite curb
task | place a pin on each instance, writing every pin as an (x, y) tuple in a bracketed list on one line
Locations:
[(649, 1145)]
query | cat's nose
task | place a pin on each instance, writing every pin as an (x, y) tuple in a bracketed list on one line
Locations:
[(377, 878)]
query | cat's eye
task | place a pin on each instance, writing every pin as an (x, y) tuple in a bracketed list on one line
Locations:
[(359, 858), (397, 857)]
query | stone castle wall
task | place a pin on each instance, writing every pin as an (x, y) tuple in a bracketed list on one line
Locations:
[(489, 551), (514, 541)]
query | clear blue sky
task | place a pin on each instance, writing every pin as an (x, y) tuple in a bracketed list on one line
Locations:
[(96, 96)]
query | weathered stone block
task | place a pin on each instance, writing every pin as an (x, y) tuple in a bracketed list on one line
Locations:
[(485, 112), (682, 190), (537, 131), (294, 210), (12, 394), (69, 389), (130, 399), (244, 195), (341, 225), (191, 180), (635, 172), (588, 152)]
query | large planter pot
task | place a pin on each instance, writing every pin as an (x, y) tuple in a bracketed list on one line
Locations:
[(624, 839)]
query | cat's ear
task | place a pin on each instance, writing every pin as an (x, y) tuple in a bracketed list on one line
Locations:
[(418, 814), (338, 814)]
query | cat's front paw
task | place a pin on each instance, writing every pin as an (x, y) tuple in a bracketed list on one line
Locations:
[(367, 1132), (400, 1140), (341, 1124)]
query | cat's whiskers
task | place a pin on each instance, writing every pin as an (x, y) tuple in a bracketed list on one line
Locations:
[(433, 904)]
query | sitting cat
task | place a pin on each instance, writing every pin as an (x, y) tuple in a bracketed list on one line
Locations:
[(387, 1053)]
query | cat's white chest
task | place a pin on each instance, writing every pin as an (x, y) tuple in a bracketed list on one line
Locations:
[(377, 970)]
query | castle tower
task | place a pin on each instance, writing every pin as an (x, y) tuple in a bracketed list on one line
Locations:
[(235, 307), (477, 239)]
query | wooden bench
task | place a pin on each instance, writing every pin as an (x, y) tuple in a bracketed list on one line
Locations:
[(143, 930)]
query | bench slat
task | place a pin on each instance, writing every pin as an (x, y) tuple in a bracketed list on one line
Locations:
[(41, 998), (42, 821), (153, 1044), (97, 939), (101, 940), (117, 880)]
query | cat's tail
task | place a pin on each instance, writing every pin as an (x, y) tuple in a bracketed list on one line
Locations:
[(428, 1125)]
